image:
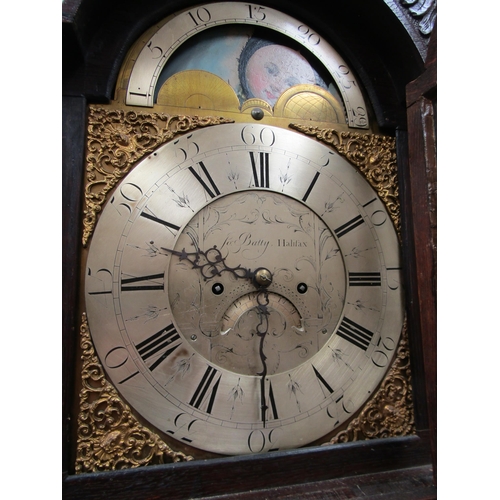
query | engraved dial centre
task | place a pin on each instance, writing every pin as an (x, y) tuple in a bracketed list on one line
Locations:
[(277, 245)]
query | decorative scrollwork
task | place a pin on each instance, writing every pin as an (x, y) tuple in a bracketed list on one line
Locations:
[(425, 11), (116, 140), (390, 412), (109, 436), (373, 155)]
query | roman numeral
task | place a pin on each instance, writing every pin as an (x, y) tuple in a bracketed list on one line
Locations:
[(159, 221), (273, 402), (309, 189), (127, 285), (354, 333), (202, 390), (260, 169), (158, 342), (129, 377), (215, 191), (364, 279), (349, 226), (323, 382)]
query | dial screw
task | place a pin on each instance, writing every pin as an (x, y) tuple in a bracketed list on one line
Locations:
[(263, 277), (257, 114), (302, 288), (193, 337)]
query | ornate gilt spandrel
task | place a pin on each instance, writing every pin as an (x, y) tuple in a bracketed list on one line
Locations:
[(109, 437), (373, 155), (116, 140), (390, 412)]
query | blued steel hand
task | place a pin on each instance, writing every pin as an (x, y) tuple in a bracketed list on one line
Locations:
[(210, 263), (262, 329)]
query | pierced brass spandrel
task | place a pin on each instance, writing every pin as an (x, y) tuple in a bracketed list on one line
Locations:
[(373, 155), (116, 140), (109, 437), (390, 412)]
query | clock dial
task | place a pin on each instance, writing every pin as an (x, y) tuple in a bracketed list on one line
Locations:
[(161, 42), (243, 289)]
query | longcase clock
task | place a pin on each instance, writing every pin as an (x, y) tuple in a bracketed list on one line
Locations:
[(242, 271)]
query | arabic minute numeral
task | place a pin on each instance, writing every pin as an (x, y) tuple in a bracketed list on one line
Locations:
[(126, 197), (259, 440), (116, 358), (201, 15), (256, 12), (308, 36)]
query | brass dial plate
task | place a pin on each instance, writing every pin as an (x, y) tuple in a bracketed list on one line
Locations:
[(133, 280)]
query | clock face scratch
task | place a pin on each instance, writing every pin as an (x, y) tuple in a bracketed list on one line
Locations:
[(357, 253), (150, 312), (359, 305)]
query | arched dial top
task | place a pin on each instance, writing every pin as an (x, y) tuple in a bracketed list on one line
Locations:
[(178, 28), (200, 348)]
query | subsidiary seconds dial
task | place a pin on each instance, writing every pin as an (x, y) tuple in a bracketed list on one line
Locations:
[(243, 289)]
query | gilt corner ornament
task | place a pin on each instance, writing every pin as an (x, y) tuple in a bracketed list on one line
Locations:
[(390, 412), (116, 140), (109, 435), (373, 155)]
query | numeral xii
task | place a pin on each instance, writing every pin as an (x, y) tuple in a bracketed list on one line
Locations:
[(260, 168)]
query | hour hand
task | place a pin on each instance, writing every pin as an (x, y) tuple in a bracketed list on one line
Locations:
[(210, 263)]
